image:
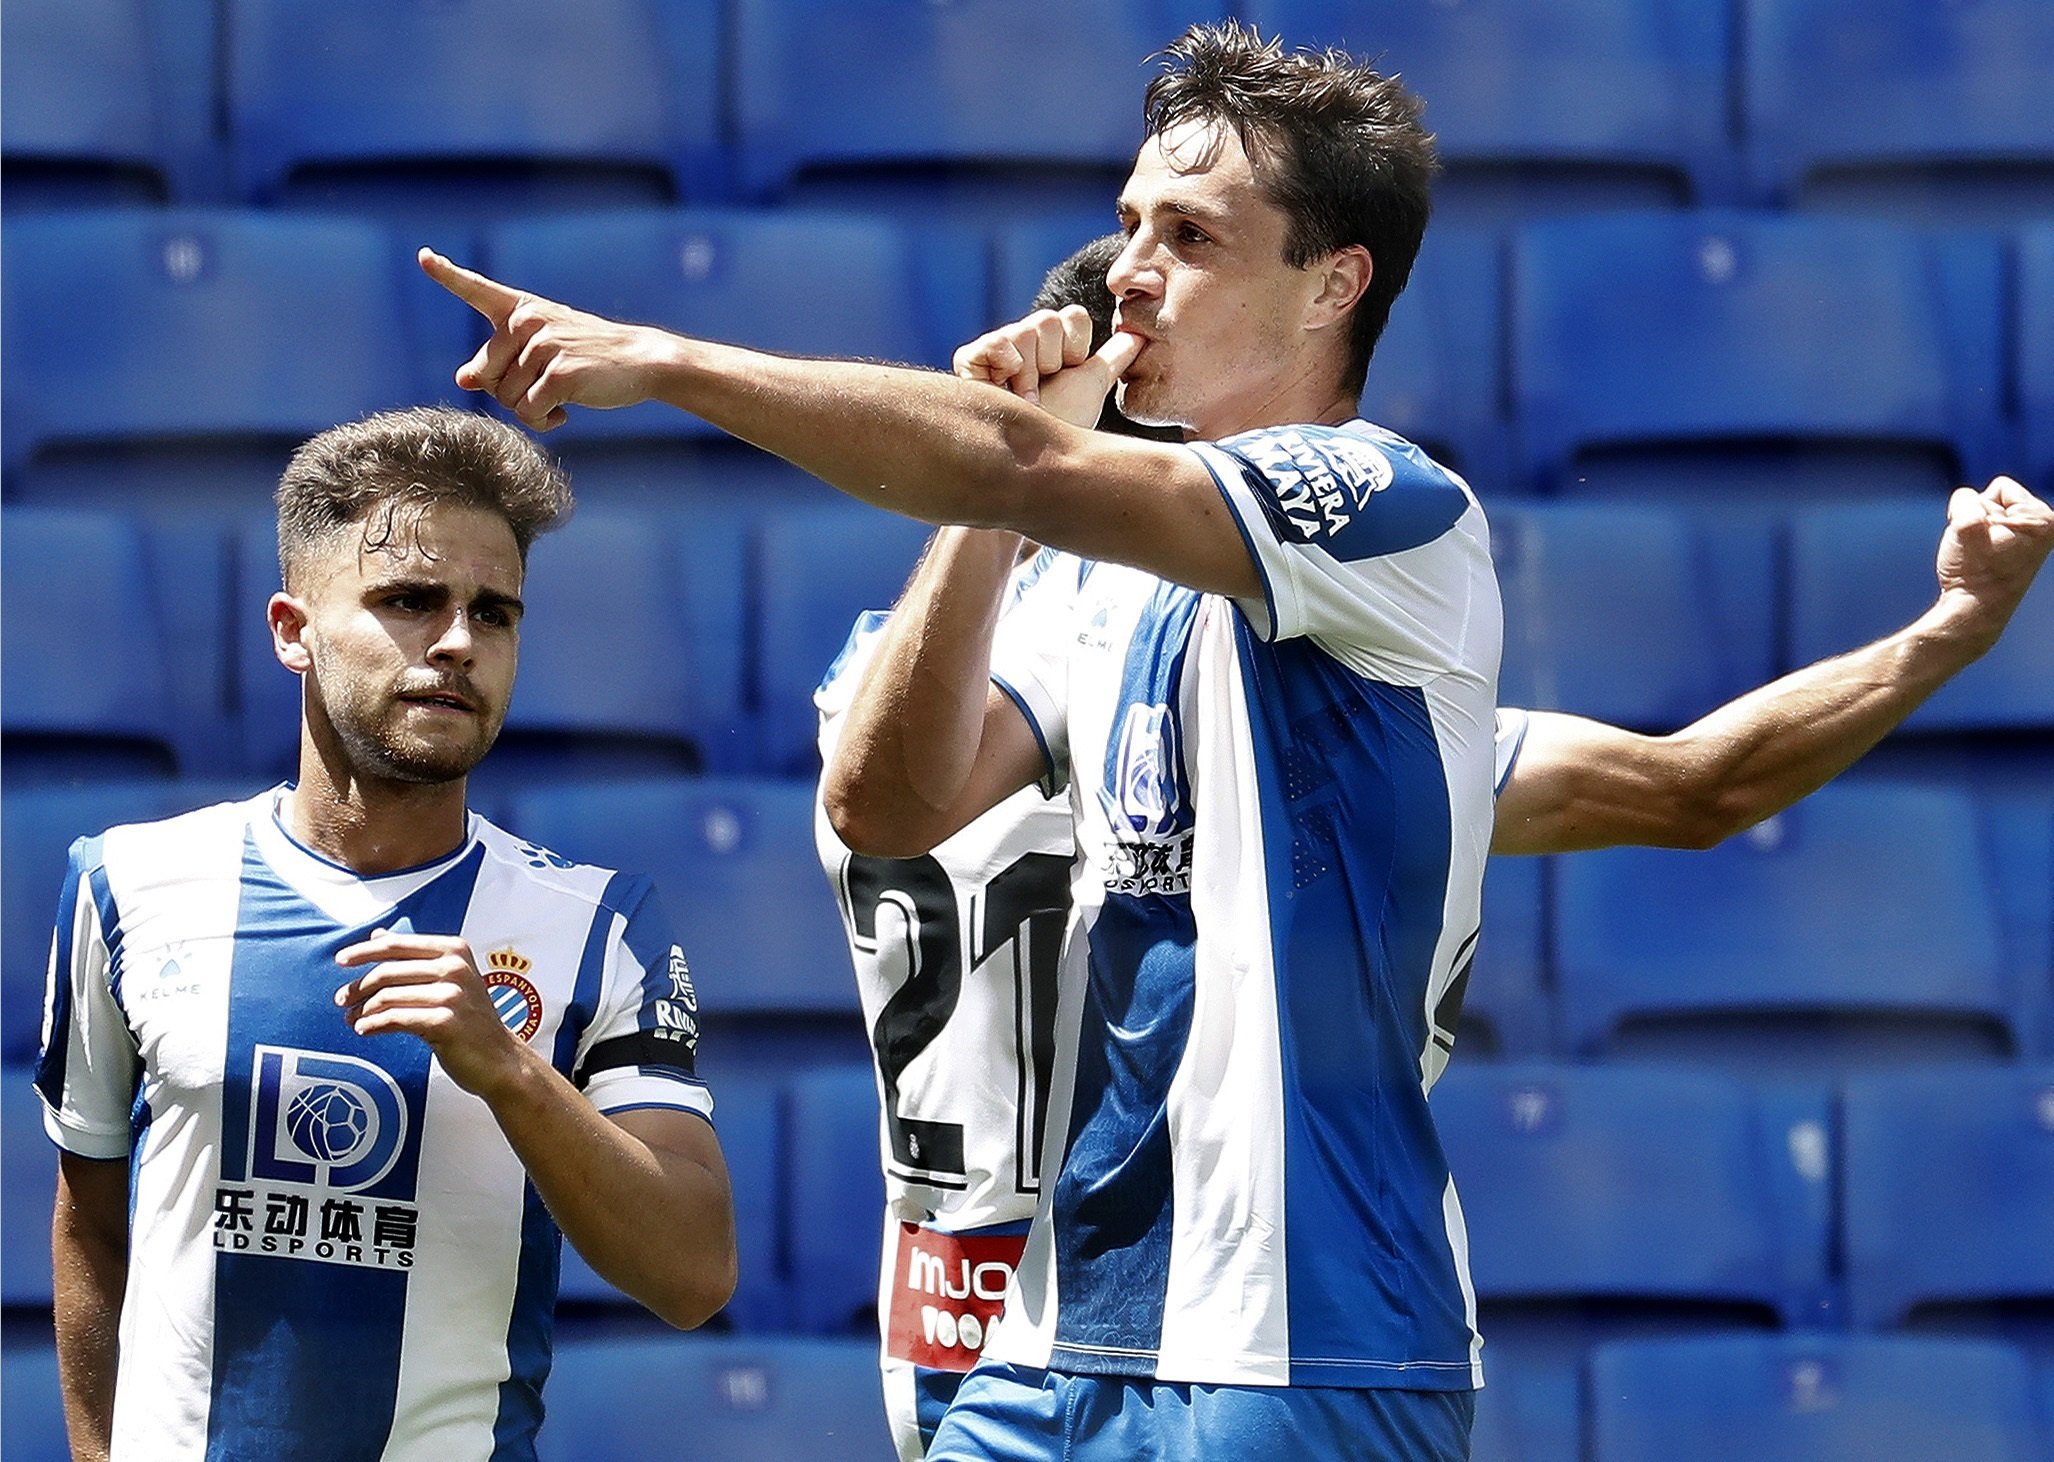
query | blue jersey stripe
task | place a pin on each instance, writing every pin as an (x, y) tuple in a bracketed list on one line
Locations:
[(321, 1138), (1355, 819)]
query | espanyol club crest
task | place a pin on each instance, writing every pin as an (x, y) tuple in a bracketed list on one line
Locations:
[(516, 999)]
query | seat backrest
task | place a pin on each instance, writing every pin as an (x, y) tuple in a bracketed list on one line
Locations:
[(81, 94), (842, 285), (1621, 1184), (733, 861), (28, 1188), (801, 103), (457, 81), (1592, 88), (1809, 1398), (1867, 904), (1859, 571), (698, 1398), (1848, 102), (1948, 1182), (137, 327), (31, 1405), (816, 571), (837, 1199), (2036, 349), (1609, 612), (1640, 329)]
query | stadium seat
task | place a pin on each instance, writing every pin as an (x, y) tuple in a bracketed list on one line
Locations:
[(1925, 112), (486, 107), (1609, 613), (1507, 1010), (1703, 359), (747, 1115), (85, 697), (2036, 351), (39, 825), (1856, 927), (1810, 1398), (816, 571), (1607, 1202), (31, 1406), (1548, 107), (734, 863), (182, 330), (83, 107), (1948, 1188), (28, 1186), (812, 127), (678, 1398), (1859, 571), (837, 1200)]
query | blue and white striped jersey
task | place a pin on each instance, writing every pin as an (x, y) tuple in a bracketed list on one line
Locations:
[(334, 1252), (1282, 810)]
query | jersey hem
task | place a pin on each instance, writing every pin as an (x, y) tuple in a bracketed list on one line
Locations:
[(1048, 761), (84, 1141), (1251, 1370)]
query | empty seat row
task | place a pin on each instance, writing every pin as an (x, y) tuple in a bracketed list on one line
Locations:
[(1841, 102), (1738, 356)]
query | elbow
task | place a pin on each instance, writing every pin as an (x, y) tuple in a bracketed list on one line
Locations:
[(874, 831), (699, 1291)]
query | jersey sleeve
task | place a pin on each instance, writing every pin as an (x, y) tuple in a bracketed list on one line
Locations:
[(1361, 540), (1030, 659), (642, 1047), (1509, 735), (89, 1066)]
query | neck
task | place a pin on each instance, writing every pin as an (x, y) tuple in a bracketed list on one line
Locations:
[(1294, 404), (372, 825)]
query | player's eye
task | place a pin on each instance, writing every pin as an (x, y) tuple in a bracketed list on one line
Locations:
[(1190, 233)]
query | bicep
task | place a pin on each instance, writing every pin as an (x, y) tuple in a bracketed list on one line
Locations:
[(1580, 784), (680, 1141), (92, 1201), (1152, 505), (1011, 754)]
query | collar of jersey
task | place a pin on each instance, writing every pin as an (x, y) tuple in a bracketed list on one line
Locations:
[(343, 892)]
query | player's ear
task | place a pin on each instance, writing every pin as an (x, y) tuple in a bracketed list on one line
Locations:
[(287, 617), (1343, 278)]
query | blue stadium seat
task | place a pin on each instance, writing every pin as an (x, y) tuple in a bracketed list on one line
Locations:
[(1810, 1398), (2036, 351), (1923, 111), (748, 1118), (1856, 927), (1948, 1188), (39, 825), (1507, 1010), (816, 571), (1547, 107), (837, 1200), (1609, 612), (812, 125), (1702, 359), (696, 1398), (80, 700), (470, 107), (734, 862), (183, 328), (1859, 571), (1023, 251), (1605, 1202), (31, 1406), (83, 114), (28, 1186)]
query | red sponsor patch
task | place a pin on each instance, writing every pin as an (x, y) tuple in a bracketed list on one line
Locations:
[(947, 1292)]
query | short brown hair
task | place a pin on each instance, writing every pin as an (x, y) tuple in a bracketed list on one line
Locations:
[(414, 458), (1337, 146)]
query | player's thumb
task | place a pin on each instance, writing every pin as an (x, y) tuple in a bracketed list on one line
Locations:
[(1966, 508)]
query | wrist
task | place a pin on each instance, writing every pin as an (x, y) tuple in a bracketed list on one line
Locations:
[(1959, 626), (511, 1082)]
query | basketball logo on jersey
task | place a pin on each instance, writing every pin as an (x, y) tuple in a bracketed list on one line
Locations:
[(516, 999)]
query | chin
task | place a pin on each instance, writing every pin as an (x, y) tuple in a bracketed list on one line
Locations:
[(1145, 404)]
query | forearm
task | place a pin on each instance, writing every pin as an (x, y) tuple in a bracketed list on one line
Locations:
[(1768, 749), (656, 1223), (89, 1268), (915, 442), (909, 745)]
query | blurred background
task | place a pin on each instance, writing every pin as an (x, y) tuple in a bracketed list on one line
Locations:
[(1721, 298)]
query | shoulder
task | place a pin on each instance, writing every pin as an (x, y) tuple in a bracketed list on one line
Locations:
[(1317, 483), (547, 874), (170, 841)]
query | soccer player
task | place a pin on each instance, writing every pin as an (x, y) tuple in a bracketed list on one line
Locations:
[(332, 1067), (1263, 665), (955, 951)]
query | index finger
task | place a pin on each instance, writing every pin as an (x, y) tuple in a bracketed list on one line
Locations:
[(488, 297), (383, 944)]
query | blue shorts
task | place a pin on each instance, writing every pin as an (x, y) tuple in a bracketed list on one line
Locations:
[(1011, 1414)]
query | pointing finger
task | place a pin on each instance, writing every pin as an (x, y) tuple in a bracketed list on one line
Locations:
[(488, 297), (1119, 353)]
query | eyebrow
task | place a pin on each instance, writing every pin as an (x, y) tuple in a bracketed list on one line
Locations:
[(1182, 207), (483, 599)]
